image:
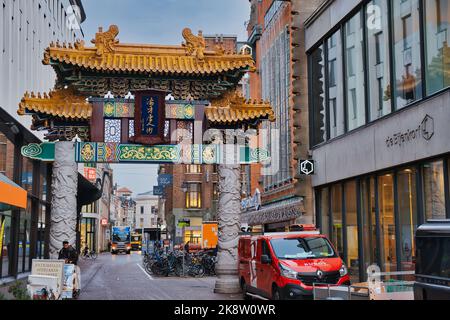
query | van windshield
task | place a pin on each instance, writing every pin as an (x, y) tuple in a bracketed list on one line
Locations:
[(302, 248)]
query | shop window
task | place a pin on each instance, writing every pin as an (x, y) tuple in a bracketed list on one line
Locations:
[(40, 245), (336, 214), (215, 191), (6, 252), (387, 223), (378, 62), (324, 212), (437, 20), (23, 264), (43, 183), (434, 194), (193, 237), (351, 214), (3, 153), (356, 114), (27, 175), (194, 196), (317, 102), (369, 222), (407, 53), (335, 86), (407, 210)]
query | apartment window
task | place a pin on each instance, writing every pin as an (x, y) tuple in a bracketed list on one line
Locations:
[(193, 168), (437, 20), (378, 63), (317, 102), (407, 54), (142, 210), (356, 114), (194, 196), (335, 86), (215, 191)]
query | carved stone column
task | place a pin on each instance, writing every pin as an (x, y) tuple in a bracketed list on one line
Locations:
[(228, 214), (63, 223)]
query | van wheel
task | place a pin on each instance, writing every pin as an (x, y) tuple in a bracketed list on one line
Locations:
[(276, 293), (245, 296)]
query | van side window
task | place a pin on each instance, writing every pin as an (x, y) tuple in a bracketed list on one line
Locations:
[(265, 249)]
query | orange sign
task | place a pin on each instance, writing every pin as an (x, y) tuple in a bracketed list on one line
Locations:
[(210, 235), (12, 194), (104, 222)]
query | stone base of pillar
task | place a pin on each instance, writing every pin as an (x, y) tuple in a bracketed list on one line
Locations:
[(227, 280)]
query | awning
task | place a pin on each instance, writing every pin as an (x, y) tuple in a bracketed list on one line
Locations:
[(280, 211), (11, 195)]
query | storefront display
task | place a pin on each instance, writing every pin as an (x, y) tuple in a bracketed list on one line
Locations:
[(375, 217)]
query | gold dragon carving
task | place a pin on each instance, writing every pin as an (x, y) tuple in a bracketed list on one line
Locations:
[(195, 45), (105, 41)]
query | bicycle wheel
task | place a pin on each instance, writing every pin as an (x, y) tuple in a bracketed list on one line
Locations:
[(199, 271), (93, 255), (84, 256)]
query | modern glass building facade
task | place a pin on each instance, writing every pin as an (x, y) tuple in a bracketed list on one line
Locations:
[(379, 109), (25, 236)]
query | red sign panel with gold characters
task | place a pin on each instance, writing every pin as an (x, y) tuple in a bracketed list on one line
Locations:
[(149, 117)]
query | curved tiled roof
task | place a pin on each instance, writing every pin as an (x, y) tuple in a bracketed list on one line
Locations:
[(234, 108), (111, 56), (60, 103)]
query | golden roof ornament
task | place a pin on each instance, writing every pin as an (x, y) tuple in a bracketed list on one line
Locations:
[(105, 41), (195, 45)]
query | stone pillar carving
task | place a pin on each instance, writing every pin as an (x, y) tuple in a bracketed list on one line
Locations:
[(63, 223), (228, 214)]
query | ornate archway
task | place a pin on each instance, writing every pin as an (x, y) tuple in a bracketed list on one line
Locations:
[(204, 85)]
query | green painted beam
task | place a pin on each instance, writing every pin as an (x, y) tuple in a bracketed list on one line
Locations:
[(96, 152)]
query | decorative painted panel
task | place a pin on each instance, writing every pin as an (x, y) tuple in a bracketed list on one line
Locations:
[(118, 109), (131, 128), (99, 152), (185, 132), (180, 111), (113, 129)]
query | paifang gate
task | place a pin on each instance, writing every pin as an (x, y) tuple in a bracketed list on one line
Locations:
[(138, 103)]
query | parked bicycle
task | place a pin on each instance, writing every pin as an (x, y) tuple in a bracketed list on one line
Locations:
[(88, 254)]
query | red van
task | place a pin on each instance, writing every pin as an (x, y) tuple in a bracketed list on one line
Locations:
[(285, 265)]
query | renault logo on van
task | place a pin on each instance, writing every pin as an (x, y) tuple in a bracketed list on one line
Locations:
[(319, 274)]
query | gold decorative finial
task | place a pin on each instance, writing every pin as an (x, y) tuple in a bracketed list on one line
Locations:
[(195, 45), (105, 41)]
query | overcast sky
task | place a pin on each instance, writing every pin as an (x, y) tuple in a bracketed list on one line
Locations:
[(161, 22)]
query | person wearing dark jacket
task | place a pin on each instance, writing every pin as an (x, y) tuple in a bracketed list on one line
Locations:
[(68, 253)]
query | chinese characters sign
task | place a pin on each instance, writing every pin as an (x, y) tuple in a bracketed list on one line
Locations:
[(149, 117)]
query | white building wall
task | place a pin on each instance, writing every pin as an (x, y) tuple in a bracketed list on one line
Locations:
[(27, 28), (150, 218)]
